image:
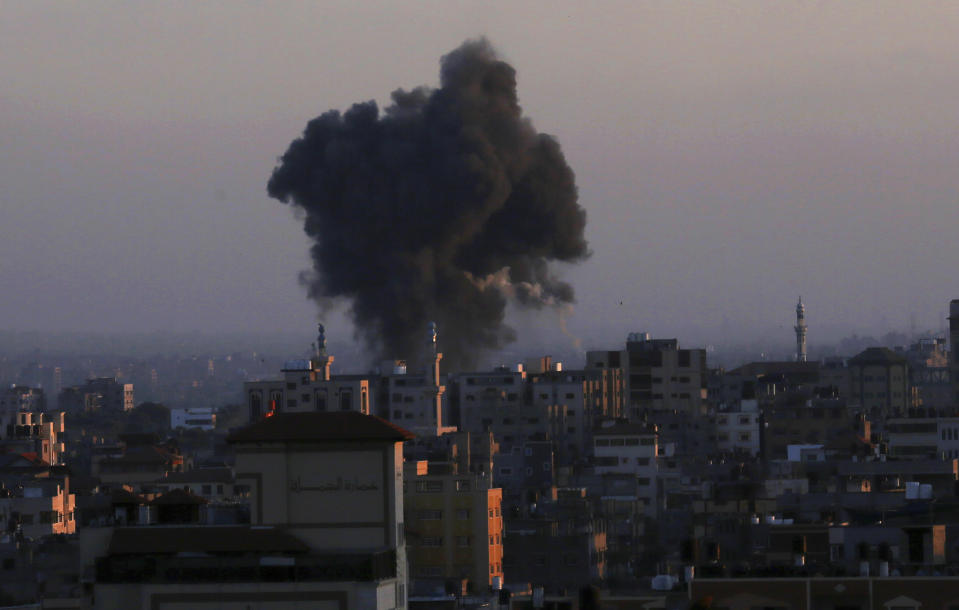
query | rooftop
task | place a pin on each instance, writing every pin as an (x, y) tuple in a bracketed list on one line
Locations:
[(209, 539), (339, 426), (877, 355)]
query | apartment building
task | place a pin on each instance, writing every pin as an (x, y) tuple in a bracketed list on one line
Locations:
[(623, 448), (658, 375), (454, 526), (879, 383)]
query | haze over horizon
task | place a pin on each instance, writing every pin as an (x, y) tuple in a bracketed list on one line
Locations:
[(729, 156)]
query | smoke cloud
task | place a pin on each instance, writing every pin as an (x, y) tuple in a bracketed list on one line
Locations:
[(443, 208)]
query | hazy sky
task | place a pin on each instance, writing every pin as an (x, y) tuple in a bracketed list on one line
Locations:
[(730, 156)]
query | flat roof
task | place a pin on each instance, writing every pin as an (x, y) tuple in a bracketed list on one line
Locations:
[(318, 426), (199, 539)]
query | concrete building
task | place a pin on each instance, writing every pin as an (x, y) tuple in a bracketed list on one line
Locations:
[(657, 375), (929, 374), (36, 432), (587, 396), (561, 548), (923, 437), (622, 448), (308, 385), (454, 526), (327, 527), (35, 500), (879, 383), (16, 398), (98, 393), (739, 430)]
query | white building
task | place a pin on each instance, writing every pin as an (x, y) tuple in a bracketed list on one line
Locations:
[(203, 418)]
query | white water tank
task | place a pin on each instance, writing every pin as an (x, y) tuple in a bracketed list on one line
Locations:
[(864, 568), (884, 568), (912, 490), (925, 491)]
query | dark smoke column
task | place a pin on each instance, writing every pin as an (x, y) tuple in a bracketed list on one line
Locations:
[(440, 209)]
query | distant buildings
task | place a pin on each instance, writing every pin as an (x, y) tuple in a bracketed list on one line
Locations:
[(96, 394)]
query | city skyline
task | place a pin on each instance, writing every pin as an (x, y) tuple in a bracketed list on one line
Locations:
[(728, 157)]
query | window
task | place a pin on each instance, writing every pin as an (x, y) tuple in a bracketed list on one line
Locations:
[(206, 489), (431, 541), (546, 467), (464, 541), (463, 485), (304, 398), (462, 513), (429, 514), (429, 486)]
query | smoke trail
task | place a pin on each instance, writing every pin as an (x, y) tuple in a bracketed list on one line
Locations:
[(441, 208)]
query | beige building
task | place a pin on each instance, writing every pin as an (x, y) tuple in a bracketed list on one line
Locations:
[(326, 496), (657, 375), (454, 525)]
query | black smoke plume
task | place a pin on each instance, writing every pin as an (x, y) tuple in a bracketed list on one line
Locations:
[(442, 208)]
